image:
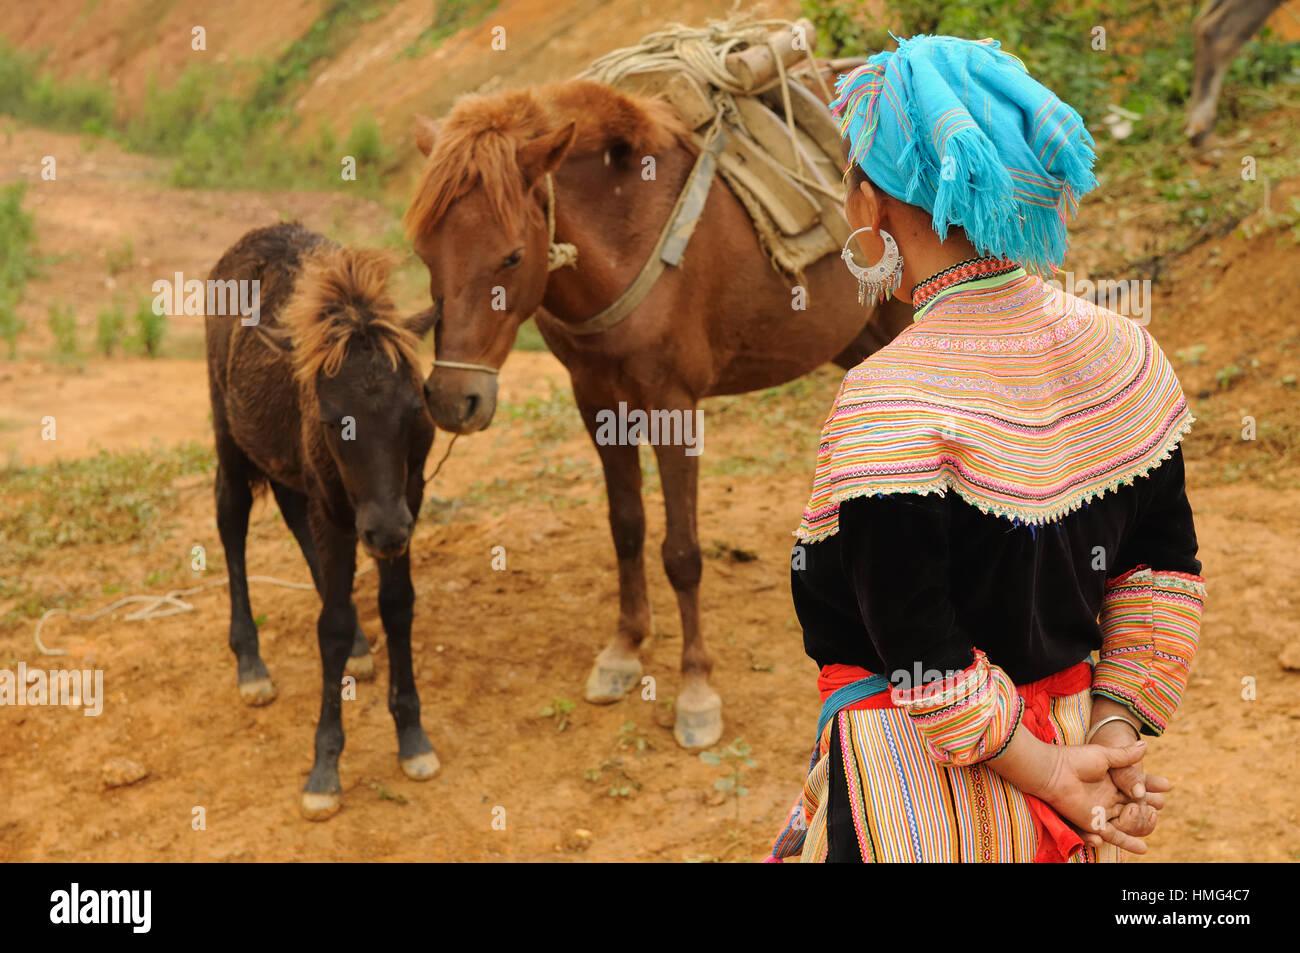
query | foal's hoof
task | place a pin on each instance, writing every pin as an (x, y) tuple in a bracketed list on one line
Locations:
[(319, 807), (258, 692), (361, 667), (612, 677), (422, 767), (699, 718)]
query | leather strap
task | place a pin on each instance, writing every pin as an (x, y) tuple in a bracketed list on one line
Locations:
[(672, 241)]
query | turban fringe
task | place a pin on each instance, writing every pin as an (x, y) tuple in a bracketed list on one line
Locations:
[(962, 130)]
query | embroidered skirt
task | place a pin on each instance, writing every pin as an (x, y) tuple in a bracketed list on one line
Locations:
[(873, 793)]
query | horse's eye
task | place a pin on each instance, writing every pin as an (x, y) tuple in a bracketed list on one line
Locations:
[(512, 259)]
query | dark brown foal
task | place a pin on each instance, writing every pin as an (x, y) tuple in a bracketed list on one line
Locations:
[(322, 399)]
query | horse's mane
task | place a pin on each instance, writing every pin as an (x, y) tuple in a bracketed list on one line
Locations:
[(341, 296), (476, 143)]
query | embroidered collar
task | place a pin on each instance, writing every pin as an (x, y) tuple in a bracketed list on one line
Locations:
[(1023, 400), (925, 292)]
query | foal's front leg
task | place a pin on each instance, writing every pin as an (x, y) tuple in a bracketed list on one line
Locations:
[(396, 606), (293, 507), (336, 548)]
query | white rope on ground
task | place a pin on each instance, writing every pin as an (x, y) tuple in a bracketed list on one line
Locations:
[(153, 607)]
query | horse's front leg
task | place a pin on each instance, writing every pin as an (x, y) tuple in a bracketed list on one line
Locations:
[(618, 666), (698, 722), (396, 607), (336, 548)]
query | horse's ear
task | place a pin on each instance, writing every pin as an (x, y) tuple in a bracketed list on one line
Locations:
[(422, 323), (277, 336), (544, 154), (426, 133)]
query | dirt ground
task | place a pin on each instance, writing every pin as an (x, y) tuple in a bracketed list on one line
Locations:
[(493, 648)]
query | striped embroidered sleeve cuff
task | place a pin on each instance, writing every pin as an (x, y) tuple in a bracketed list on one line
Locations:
[(967, 717), (1150, 621)]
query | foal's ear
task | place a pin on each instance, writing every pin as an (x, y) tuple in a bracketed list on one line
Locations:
[(420, 324), (426, 133), (544, 154)]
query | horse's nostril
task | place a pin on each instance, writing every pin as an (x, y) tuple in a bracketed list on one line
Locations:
[(471, 405)]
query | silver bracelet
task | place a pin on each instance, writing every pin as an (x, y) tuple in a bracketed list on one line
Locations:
[(1098, 726)]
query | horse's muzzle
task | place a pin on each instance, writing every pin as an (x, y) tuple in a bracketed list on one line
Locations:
[(461, 401)]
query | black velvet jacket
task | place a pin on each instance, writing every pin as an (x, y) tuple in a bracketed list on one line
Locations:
[(912, 583)]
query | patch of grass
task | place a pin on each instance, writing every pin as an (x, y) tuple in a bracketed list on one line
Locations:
[(63, 325), (1226, 375), (449, 18), (630, 737), (17, 263), (1288, 219), (559, 709), (149, 329), (325, 37), (735, 757), (383, 794), (107, 498), (29, 92), (546, 485), (109, 324), (546, 420), (217, 138)]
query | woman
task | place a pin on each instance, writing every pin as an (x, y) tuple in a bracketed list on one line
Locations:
[(999, 493)]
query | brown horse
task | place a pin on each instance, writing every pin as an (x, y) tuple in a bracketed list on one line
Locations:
[(321, 398), (724, 322)]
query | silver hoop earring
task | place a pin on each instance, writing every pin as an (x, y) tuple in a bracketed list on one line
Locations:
[(882, 278)]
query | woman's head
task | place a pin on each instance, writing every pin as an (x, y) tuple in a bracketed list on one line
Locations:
[(956, 133), (866, 205)]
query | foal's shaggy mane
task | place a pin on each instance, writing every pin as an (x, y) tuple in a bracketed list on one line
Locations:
[(477, 141), (342, 296)]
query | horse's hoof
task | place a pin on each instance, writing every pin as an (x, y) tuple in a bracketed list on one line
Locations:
[(612, 677), (422, 767), (319, 807), (699, 718), (361, 667), (258, 692)]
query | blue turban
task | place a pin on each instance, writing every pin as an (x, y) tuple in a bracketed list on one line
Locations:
[(960, 128)]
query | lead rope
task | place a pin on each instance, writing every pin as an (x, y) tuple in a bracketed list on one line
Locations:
[(558, 254), (429, 478)]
